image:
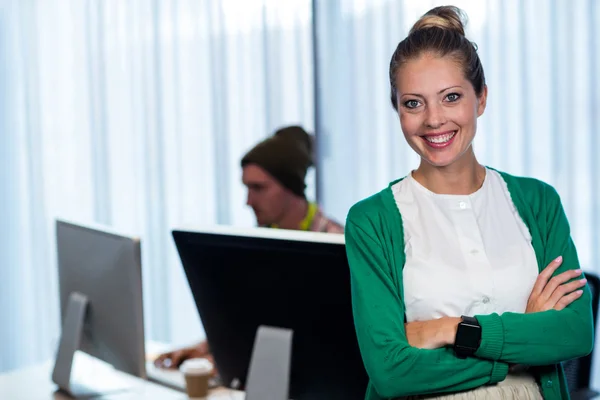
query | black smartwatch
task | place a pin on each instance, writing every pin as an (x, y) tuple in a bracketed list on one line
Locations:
[(468, 337)]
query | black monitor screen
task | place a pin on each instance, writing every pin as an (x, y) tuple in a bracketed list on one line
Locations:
[(241, 282)]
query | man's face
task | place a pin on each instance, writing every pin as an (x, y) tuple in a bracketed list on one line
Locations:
[(267, 197)]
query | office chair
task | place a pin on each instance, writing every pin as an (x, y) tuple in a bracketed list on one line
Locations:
[(578, 371)]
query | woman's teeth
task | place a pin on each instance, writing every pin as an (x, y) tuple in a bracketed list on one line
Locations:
[(440, 138)]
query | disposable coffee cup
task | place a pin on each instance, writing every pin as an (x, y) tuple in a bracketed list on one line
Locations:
[(197, 373)]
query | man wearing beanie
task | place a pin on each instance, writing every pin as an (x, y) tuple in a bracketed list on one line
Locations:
[(274, 172)]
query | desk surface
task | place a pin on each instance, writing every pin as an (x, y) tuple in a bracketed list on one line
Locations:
[(35, 383)]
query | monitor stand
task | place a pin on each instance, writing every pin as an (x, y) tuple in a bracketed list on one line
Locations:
[(84, 385), (269, 372)]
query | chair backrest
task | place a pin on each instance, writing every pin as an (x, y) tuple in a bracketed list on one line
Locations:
[(578, 371)]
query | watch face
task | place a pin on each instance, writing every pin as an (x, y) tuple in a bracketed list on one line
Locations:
[(468, 336)]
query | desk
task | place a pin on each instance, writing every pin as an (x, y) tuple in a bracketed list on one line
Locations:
[(35, 383)]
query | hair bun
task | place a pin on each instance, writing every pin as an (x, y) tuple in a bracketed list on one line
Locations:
[(445, 17)]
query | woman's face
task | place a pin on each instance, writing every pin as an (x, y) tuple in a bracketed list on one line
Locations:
[(438, 108)]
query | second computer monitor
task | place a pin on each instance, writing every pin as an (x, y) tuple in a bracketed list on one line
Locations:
[(244, 278), (103, 268)]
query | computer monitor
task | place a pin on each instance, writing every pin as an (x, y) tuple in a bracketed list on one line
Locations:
[(244, 278), (100, 283)]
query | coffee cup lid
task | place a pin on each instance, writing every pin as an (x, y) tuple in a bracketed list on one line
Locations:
[(196, 366)]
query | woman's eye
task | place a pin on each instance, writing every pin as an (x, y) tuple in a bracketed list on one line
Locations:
[(452, 97), (411, 104)]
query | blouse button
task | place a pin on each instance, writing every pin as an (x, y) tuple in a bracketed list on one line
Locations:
[(462, 205)]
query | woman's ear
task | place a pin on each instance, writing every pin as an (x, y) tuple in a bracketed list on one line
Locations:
[(482, 101)]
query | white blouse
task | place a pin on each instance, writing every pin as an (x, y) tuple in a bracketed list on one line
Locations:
[(465, 254)]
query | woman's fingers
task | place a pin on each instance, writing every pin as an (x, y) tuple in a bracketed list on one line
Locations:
[(545, 275), (558, 281), (555, 292), (568, 299)]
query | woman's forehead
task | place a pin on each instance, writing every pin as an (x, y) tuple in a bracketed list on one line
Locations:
[(430, 74)]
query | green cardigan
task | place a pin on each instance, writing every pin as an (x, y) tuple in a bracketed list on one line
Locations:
[(375, 248)]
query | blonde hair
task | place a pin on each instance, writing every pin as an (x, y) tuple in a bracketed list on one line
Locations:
[(441, 30), (446, 17)]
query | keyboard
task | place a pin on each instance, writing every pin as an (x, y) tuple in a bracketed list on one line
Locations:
[(172, 378)]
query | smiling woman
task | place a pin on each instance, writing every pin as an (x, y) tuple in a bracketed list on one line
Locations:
[(479, 263), (438, 113)]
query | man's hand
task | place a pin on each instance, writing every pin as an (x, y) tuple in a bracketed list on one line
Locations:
[(175, 358), (432, 334)]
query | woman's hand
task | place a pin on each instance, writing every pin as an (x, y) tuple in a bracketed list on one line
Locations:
[(554, 292), (432, 334)]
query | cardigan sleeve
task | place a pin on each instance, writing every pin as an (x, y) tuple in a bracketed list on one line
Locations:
[(547, 337), (394, 367)]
